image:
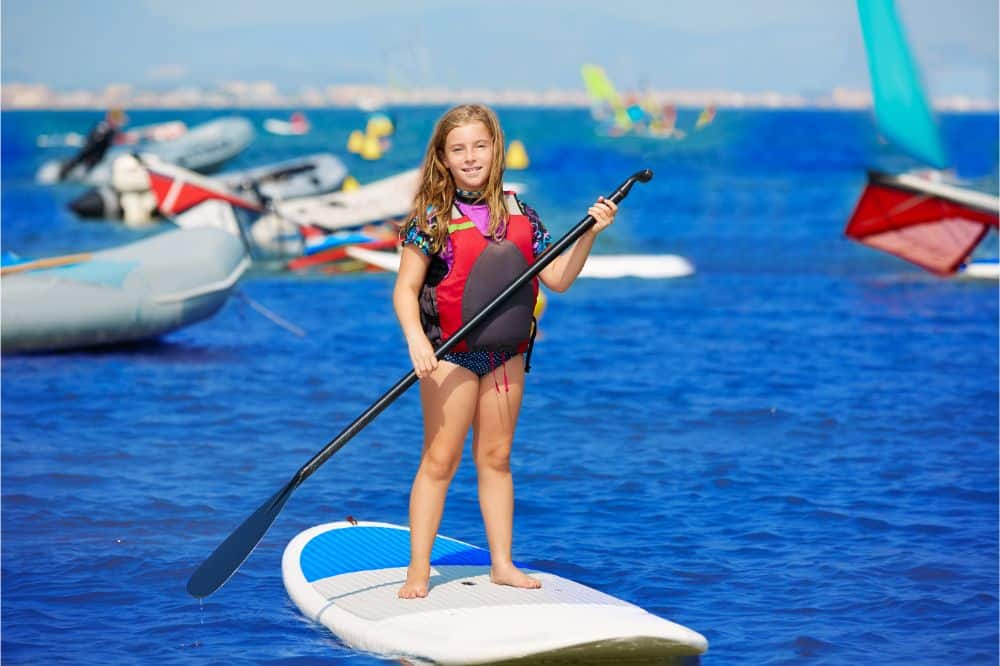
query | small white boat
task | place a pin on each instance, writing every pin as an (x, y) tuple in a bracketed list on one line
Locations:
[(124, 294), (294, 126), (306, 176)]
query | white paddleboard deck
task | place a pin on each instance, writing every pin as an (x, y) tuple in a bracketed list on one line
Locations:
[(653, 266), (347, 576)]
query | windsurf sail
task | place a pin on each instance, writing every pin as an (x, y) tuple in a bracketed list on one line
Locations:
[(933, 225), (669, 117), (901, 107), (605, 100), (176, 189), (705, 117)]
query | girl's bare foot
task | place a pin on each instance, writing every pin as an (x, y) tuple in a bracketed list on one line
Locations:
[(416, 583), (508, 574)]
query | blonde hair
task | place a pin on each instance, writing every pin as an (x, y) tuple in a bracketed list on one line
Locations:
[(436, 195)]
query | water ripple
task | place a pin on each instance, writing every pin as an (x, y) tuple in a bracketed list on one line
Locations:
[(793, 451)]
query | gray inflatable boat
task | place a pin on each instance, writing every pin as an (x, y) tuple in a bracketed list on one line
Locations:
[(203, 148), (128, 293), (310, 175)]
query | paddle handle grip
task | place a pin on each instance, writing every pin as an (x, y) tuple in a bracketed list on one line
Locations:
[(406, 382)]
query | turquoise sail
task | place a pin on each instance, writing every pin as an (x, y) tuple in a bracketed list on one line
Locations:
[(901, 107)]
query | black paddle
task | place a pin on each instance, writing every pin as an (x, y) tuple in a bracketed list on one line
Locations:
[(228, 557)]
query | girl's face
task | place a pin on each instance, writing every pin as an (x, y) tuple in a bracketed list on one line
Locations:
[(468, 154)]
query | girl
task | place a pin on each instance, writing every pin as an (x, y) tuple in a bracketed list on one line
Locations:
[(467, 240)]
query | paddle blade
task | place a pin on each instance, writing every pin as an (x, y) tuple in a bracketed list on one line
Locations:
[(227, 558)]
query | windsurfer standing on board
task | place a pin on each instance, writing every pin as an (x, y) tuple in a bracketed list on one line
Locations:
[(466, 241)]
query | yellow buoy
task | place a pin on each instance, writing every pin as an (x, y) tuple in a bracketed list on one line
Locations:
[(354, 141), (517, 156), (380, 125), (350, 184), (540, 304), (371, 147)]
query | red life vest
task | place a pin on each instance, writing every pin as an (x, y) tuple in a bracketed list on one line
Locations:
[(481, 269)]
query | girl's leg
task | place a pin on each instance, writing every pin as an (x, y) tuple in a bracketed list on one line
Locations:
[(448, 397), (493, 428)]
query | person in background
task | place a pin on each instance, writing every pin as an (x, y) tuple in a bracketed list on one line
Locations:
[(100, 138), (466, 241)]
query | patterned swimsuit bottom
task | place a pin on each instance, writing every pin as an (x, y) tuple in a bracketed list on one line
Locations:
[(482, 363)]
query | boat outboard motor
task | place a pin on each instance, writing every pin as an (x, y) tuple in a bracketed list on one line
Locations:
[(129, 182), (135, 193), (98, 202)]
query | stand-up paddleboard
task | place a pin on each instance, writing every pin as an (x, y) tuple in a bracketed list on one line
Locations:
[(346, 576), (597, 266)]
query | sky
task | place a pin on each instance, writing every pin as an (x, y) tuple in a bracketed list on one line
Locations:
[(787, 46)]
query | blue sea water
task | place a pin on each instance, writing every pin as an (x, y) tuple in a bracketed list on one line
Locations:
[(793, 452)]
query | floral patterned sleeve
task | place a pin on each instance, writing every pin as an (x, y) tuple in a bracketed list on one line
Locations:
[(412, 235), (541, 238)]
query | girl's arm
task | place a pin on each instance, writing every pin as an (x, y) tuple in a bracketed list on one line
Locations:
[(560, 274), (406, 301)]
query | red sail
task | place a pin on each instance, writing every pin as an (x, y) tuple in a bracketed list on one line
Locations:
[(177, 190), (930, 224)]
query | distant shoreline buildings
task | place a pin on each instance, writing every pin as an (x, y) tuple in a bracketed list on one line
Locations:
[(265, 94)]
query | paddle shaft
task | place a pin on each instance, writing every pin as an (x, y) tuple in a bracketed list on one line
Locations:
[(406, 382)]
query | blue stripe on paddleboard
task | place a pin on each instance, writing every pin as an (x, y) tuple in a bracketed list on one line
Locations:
[(362, 548), (337, 241)]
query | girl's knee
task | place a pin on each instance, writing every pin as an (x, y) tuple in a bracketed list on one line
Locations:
[(495, 456), (440, 467)]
